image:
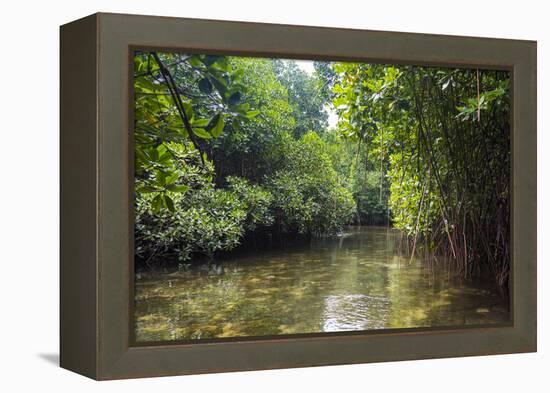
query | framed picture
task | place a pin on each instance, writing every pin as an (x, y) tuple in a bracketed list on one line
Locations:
[(241, 196)]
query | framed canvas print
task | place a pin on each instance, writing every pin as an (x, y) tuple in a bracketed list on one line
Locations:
[(240, 196)]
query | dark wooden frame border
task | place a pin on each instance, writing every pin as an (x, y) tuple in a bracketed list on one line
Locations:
[(96, 195)]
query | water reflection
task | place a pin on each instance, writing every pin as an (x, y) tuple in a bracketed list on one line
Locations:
[(354, 282), (354, 312)]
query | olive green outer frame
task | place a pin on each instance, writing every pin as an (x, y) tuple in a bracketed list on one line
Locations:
[(97, 180)]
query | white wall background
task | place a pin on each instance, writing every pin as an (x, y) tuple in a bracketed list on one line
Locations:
[(29, 193)]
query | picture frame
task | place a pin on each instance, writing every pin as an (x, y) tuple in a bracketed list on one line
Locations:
[(96, 257)]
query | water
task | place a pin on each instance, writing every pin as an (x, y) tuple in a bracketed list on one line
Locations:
[(357, 281)]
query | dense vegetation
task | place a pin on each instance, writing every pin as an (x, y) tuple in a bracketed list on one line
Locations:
[(232, 151)]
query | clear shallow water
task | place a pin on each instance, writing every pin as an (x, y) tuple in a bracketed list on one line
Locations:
[(354, 282)]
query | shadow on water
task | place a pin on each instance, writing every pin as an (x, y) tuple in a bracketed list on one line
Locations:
[(356, 281)]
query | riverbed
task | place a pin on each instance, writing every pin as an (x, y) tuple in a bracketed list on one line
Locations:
[(356, 281)]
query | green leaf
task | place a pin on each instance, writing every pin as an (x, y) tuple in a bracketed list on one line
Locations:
[(154, 155), (195, 61), (209, 59), (141, 155), (220, 85), (481, 100), (252, 114), (148, 190), (236, 126), (178, 188), (235, 98), (188, 110), (241, 109), (157, 203), (217, 62), (216, 125), (150, 118), (171, 179), (237, 74), (200, 123), (169, 203), (161, 178), (139, 64), (205, 86), (201, 133)]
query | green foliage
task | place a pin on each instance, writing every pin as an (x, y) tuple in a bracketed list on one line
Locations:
[(326, 77), (308, 197), (209, 220), (181, 102), (304, 95), (246, 151), (204, 219), (256, 201), (230, 148), (440, 139), (184, 214), (371, 196)]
